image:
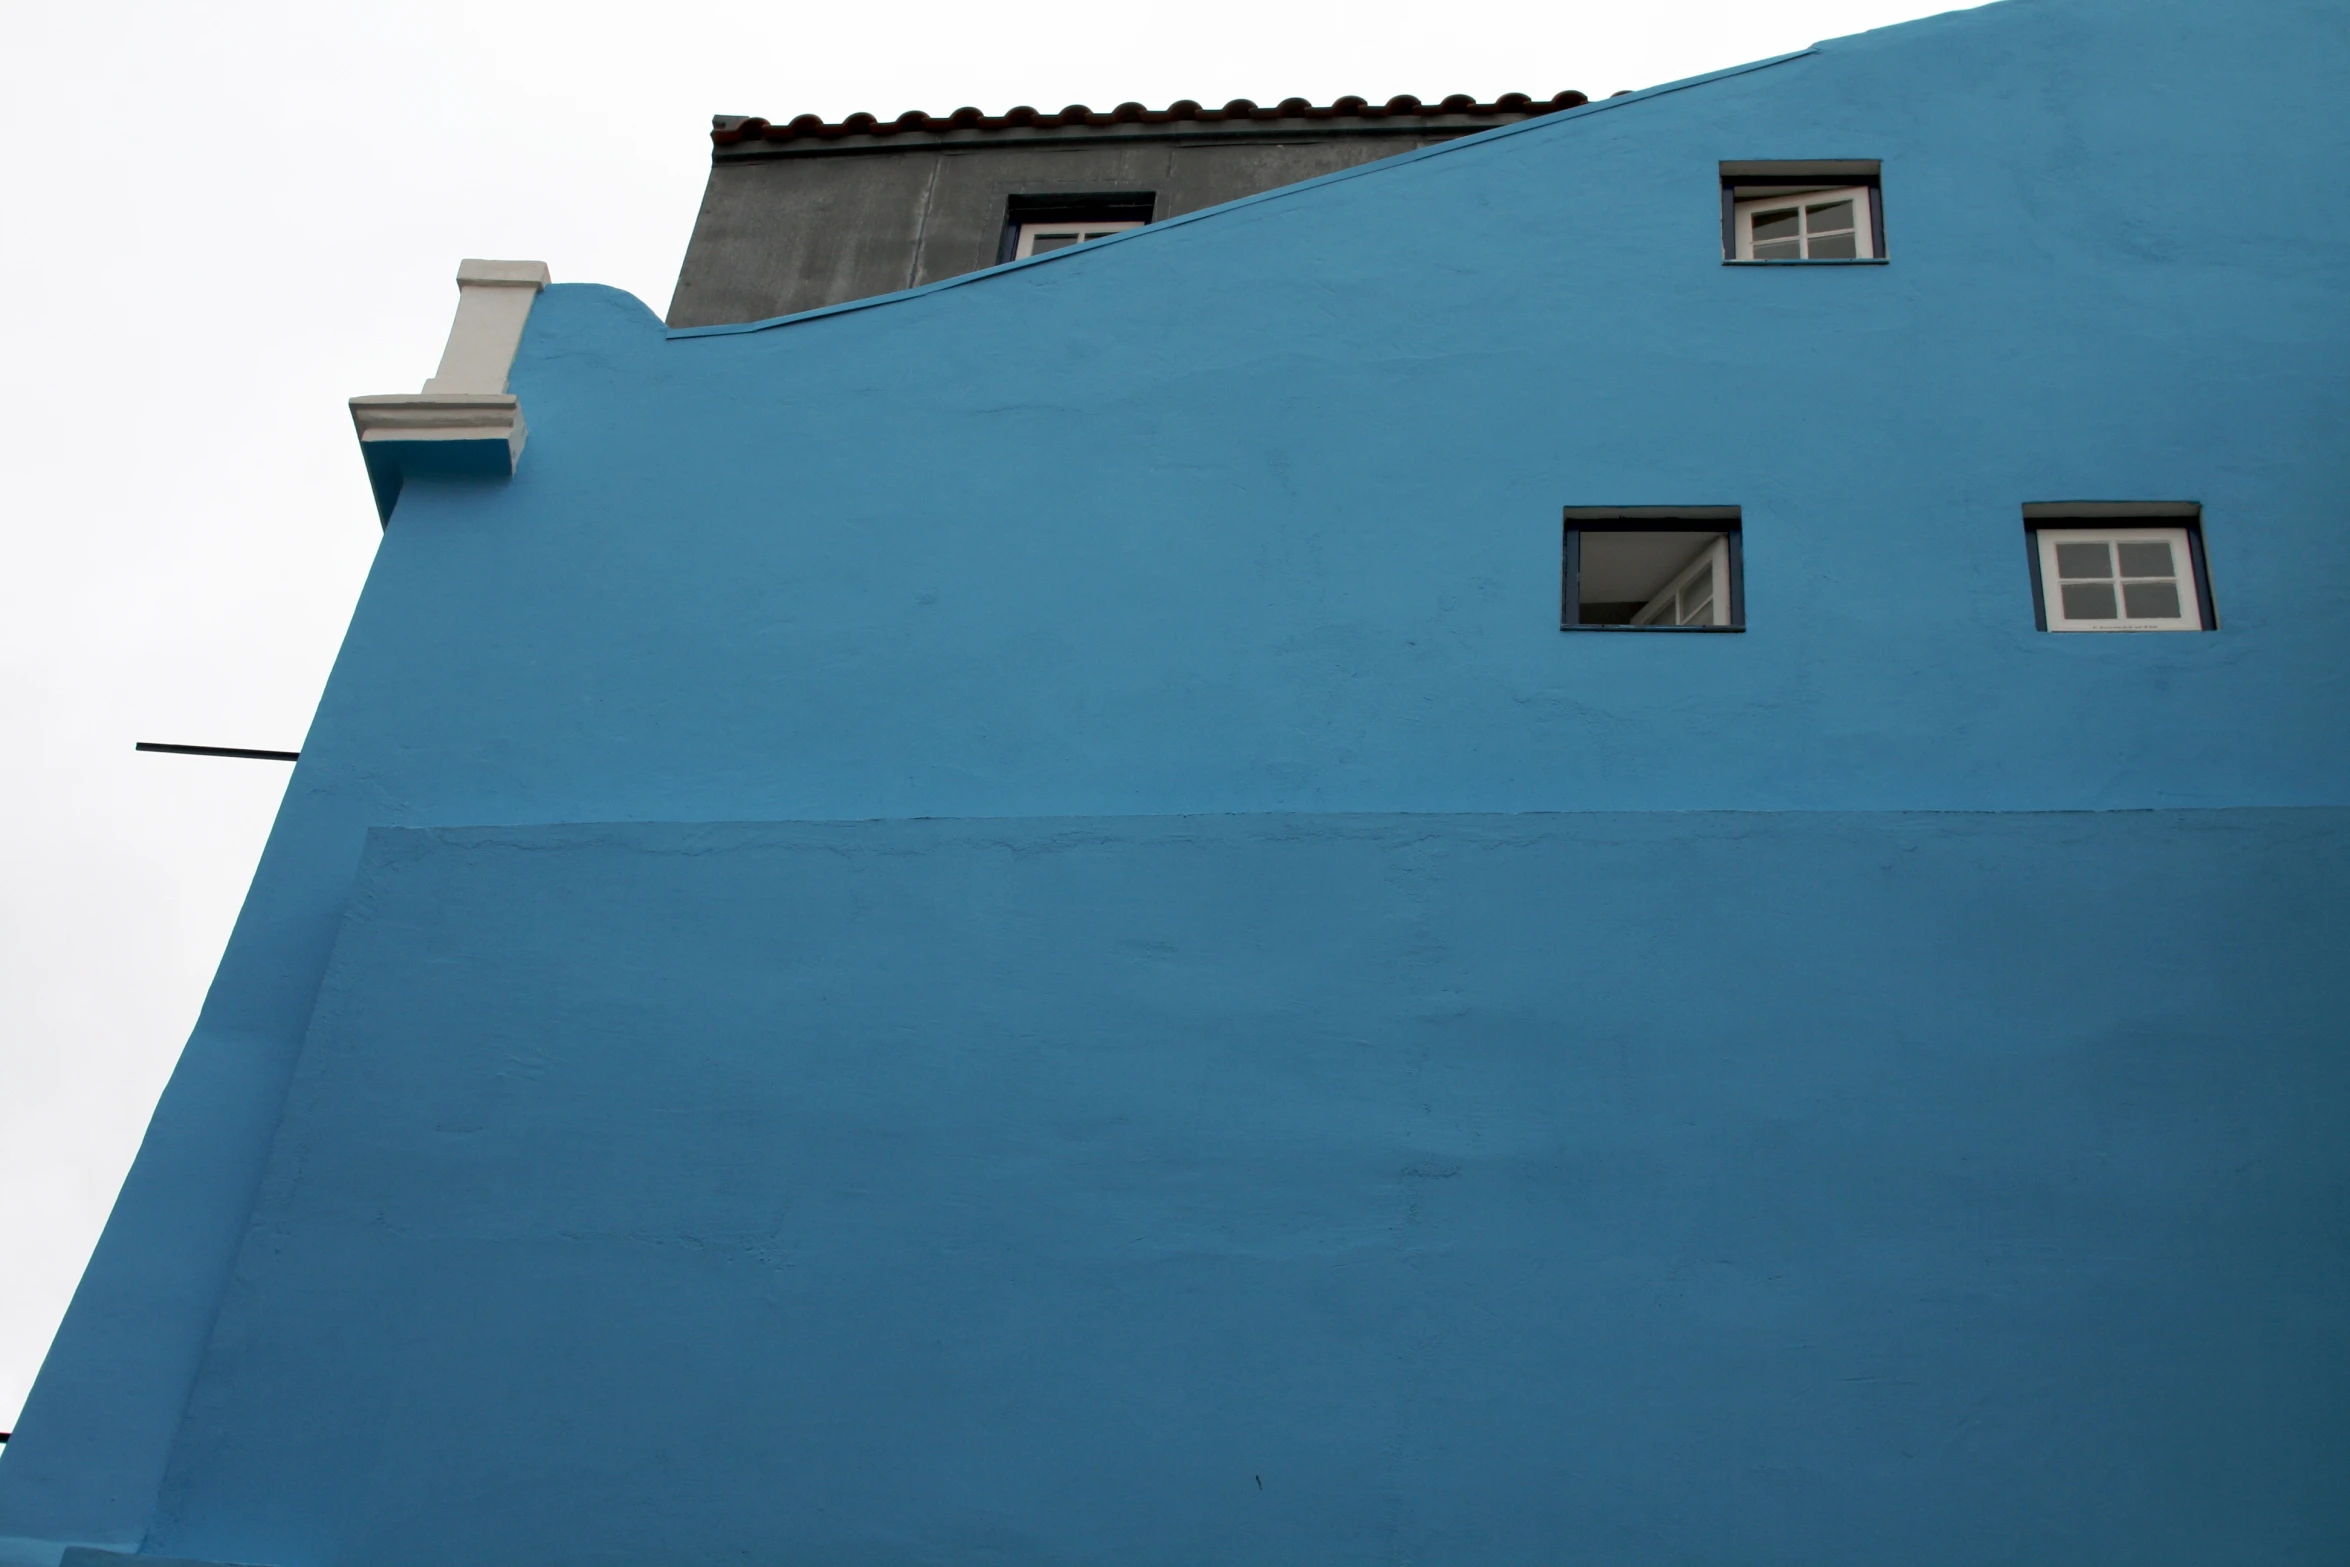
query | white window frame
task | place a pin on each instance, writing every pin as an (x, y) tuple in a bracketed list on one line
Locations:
[(1664, 609), (1094, 228), (2182, 553), (1864, 232)]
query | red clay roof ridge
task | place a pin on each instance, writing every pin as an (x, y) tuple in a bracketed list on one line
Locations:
[(728, 129)]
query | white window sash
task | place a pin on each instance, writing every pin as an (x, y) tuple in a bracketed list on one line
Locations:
[(2190, 616), (1864, 231), (1663, 610), (1030, 233)]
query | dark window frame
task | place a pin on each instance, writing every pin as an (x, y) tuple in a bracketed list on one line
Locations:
[(1802, 174), (1112, 206), (1579, 520), (2184, 515)]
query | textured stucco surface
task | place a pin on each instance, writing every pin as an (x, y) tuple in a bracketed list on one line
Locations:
[(1256, 512), (1770, 1188)]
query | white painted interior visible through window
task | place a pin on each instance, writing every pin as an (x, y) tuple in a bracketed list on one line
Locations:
[(1653, 577), (1697, 595)]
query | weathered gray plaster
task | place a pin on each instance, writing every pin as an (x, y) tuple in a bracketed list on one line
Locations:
[(783, 234)]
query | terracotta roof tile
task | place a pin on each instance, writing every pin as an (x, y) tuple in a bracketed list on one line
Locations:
[(729, 130)]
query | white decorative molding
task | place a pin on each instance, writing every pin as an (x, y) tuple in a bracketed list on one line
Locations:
[(464, 422), (493, 302), (456, 416)]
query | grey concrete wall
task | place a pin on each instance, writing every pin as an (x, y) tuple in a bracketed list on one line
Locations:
[(778, 235), (783, 236)]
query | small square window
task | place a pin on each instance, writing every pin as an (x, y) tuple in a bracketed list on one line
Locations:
[(2118, 566), (1652, 568), (1037, 225), (1802, 211)]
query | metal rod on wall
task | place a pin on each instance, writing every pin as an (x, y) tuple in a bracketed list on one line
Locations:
[(219, 750)]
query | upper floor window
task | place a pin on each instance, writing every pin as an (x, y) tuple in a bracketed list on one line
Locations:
[(2119, 566), (1803, 211), (1652, 568), (1037, 238), (1035, 225)]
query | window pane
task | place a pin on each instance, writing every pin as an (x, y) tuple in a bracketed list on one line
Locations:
[(1833, 247), (1780, 224), (2146, 559), (1784, 250), (2084, 560), (1831, 215), (2088, 601), (1045, 242), (1700, 613), (2150, 600)]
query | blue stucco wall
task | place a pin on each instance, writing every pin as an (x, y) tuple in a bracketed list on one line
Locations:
[(1257, 512), (1705, 1187)]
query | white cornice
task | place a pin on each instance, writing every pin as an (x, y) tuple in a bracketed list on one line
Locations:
[(464, 422)]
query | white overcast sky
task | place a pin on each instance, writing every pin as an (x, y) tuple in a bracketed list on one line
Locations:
[(223, 220)]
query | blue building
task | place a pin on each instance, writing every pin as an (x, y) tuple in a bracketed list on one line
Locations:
[(1620, 842)]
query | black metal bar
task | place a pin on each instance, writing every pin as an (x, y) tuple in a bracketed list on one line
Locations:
[(219, 750)]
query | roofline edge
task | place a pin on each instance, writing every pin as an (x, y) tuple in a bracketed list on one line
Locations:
[(1442, 149)]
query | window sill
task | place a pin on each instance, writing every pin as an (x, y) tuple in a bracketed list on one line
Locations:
[(1645, 630), (1842, 261)]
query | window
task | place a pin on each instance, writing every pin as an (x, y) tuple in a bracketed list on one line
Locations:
[(1812, 225), (1037, 238), (1037, 225), (1652, 568), (2119, 566), (1797, 211)]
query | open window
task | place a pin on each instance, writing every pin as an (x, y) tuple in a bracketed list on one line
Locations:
[(1653, 568), (1803, 211), (1035, 225), (2119, 566)]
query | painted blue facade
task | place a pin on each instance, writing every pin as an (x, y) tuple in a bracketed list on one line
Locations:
[(1347, 1071)]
